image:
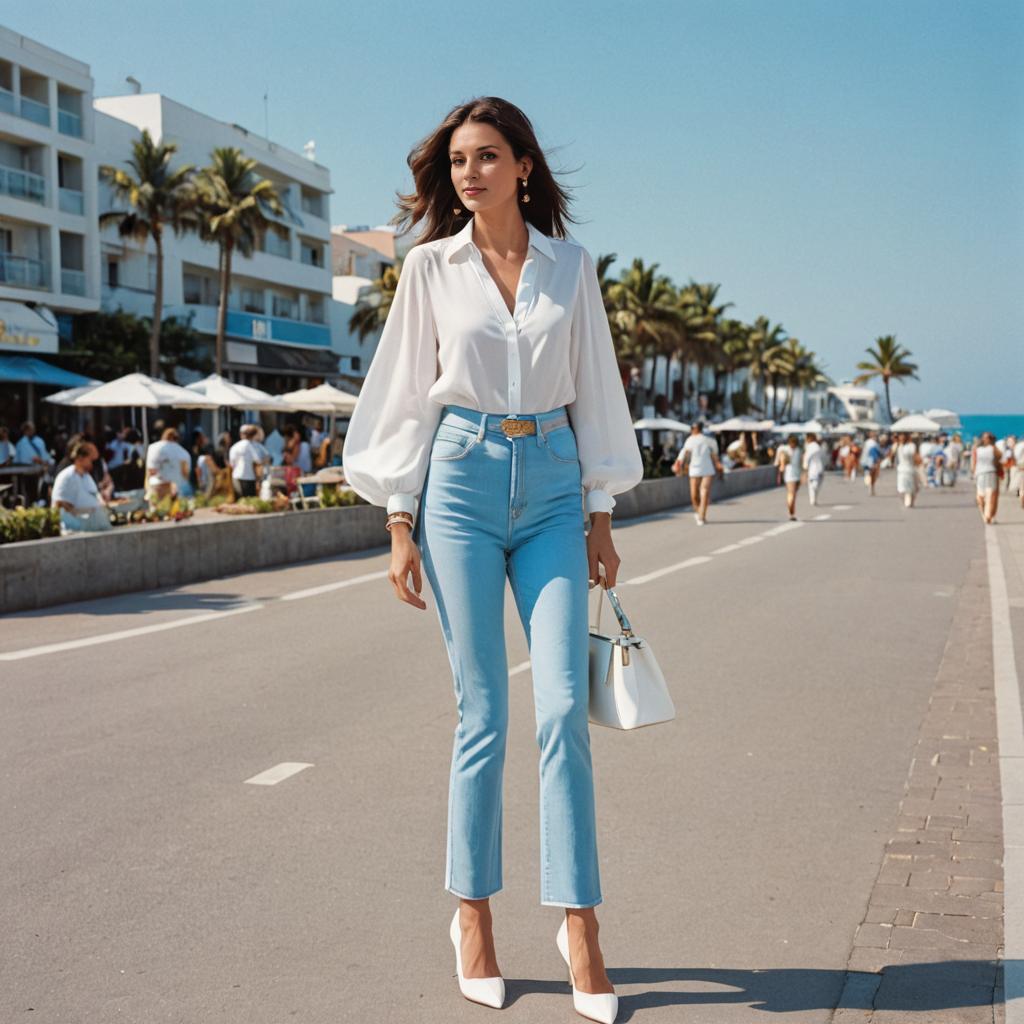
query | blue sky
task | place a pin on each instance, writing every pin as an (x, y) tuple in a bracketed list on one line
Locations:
[(846, 169)]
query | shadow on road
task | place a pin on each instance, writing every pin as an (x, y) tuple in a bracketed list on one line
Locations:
[(948, 985)]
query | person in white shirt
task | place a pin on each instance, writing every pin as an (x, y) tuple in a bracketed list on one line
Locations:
[(954, 453), (699, 459), (246, 461), (493, 418), (871, 461), (168, 466), (986, 462), (907, 460), (82, 510), (814, 464), (1017, 471), (1009, 444), (789, 463)]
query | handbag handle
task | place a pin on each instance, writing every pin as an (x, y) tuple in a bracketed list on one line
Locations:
[(624, 625)]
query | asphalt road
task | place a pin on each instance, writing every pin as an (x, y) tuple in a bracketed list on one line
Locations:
[(145, 880)]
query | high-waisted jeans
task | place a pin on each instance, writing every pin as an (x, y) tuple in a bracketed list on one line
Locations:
[(493, 505)]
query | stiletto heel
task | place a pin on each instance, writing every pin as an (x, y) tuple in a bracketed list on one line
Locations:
[(600, 1006), (488, 991)]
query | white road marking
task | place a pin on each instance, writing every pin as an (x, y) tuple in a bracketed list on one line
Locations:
[(298, 595), (751, 540), (124, 634), (726, 549), (697, 560), (280, 772), (784, 528), (842, 508), (822, 517), (1011, 750)]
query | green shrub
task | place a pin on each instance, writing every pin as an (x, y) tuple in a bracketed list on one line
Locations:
[(28, 524)]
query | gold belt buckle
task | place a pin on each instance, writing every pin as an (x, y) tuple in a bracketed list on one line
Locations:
[(518, 428)]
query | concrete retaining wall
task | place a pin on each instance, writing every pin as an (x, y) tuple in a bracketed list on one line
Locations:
[(41, 573)]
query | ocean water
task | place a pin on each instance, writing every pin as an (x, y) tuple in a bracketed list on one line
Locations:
[(1000, 424)]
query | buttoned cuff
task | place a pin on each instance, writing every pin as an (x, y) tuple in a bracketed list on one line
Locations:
[(403, 503), (596, 500)]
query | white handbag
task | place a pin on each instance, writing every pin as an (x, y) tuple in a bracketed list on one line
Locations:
[(627, 688)]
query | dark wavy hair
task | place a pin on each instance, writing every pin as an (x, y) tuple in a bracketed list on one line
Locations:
[(434, 198)]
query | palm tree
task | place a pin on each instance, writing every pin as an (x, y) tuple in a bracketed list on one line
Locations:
[(759, 355), (703, 325), (888, 361), (645, 316), (371, 312), (156, 197), (233, 201), (801, 371)]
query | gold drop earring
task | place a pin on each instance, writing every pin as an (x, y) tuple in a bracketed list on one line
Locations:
[(526, 195), (457, 211)]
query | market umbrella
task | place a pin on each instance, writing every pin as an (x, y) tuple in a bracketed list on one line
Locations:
[(661, 423), (915, 423), (743, 423), (324, 398), (68, 395), (138, 391), (237, 396), (945, 418)]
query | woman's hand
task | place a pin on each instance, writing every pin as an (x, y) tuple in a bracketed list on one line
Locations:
[(405, 558), (601, 549)]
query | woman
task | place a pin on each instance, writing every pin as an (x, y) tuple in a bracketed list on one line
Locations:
[(907, 461), (814, 463), (524, 430), (788, 462), (986, 466)]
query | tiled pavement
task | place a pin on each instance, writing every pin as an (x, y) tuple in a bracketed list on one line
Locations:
[(928, 947)]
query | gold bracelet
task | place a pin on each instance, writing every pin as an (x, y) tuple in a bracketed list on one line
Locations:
[(398, 517)]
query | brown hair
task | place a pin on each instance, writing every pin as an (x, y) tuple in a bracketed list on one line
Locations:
[(435, 199), (170, 434), (80, 450)]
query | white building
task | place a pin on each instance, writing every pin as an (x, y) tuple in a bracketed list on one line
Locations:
[(280, 307), (49, 248), (359, 256)]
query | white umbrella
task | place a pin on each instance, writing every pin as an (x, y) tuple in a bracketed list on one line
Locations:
[(322, 398), (661, 423), (915, 423), (141, 392), (68, 395), (743, 423), (945, 418), (237, 396)]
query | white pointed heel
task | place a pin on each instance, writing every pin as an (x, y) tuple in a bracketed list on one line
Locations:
[(600, 1006), (488, 991)]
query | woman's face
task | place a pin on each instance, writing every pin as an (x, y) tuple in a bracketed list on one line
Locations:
[(482, 161)]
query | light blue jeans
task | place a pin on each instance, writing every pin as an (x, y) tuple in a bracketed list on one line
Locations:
[(493, 505)]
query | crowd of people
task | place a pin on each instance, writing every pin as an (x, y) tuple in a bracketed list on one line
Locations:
[(81, 474), (919, 462)]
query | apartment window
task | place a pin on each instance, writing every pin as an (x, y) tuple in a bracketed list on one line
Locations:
[(6, 240), (313, 255), (112, 273), (284, 306), (315, 311), (252, 300), (355, 363), (193, 286)]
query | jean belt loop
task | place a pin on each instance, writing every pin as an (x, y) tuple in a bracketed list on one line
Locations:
[(483, 426), (541, 439)]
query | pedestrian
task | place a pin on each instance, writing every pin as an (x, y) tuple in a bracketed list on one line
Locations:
[(246, 461), (491, 463), (814, 464), (789, 463), (699, 458), (168, 466), (987, 468), (82, 509), (1017, 471), (6, 448), (871, 461), (954, 456), (1009, 444), (907, 460)]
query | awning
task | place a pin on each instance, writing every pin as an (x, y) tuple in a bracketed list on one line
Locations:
[(29, 370), (23, 328)]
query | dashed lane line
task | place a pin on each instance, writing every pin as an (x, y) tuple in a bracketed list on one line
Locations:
[(280, 772)]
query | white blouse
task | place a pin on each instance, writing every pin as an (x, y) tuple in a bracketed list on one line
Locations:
[(449, 338)]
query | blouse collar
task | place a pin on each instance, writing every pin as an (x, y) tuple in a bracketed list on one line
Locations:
[(464, 238)]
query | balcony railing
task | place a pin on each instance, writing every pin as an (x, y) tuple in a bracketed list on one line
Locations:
[(312, 257), (33, 110), (274, 245), (72, 282), (22, 184), (23, 271), (72, 201), (69, 123), (6, 101)]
